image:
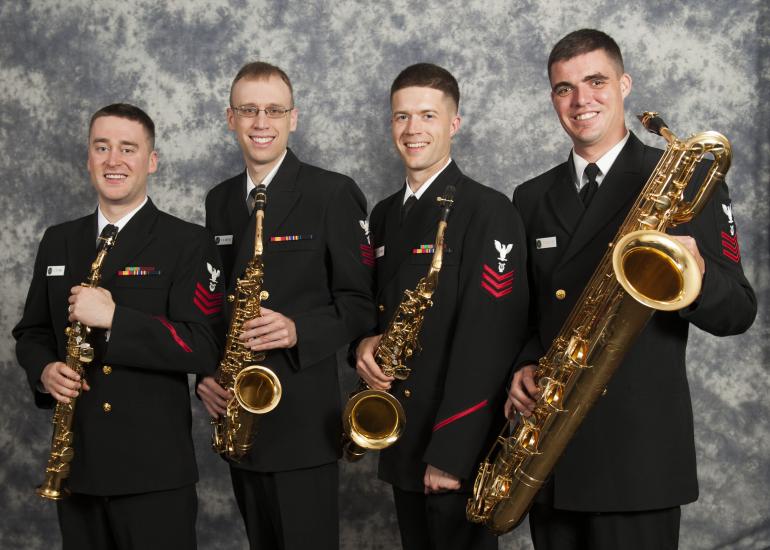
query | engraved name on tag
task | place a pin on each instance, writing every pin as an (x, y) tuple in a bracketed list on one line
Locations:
[(545, 242), (54, 271)]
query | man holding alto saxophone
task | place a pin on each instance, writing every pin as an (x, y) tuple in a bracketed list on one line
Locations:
[(318, 277), (631, 464), (472, 332), (131, 482)]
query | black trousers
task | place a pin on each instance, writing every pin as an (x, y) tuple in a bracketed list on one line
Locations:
[(292, 510), (438, 522), (162, 520), (554, 529)]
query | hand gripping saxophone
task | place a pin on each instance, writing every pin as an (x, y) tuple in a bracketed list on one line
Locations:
[(374, 419), (79, 354), (644, 270), (256, 389)]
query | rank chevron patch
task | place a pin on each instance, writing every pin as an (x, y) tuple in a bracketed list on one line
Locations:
[(208, 302), (367, 254), (496, 284), (730, 246)]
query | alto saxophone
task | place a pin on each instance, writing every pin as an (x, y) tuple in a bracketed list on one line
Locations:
[(256, 389), (644, 270), (374, 419), (79, 354)]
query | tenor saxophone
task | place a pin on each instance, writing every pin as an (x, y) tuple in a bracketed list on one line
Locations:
[(79, 354), (374, 419), (643, 270), (256, 389)]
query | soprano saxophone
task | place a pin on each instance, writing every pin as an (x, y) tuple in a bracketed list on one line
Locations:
[(374, 419), (256, 389), (79, 354), (644, 270)]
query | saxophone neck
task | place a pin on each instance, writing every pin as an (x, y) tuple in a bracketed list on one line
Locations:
[(260, 200)]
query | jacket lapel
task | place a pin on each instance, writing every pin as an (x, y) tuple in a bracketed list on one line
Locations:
[(131, 240), (423, 216), (563, 198), (618, 190), (81, 249), (281, 197)]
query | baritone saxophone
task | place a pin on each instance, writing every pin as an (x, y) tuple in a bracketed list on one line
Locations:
[(79, 355), (256, 389), (643, 270), (374, 419)]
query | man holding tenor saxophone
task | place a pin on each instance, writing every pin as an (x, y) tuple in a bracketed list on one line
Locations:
[(131, 481), (471, 333), (631, 464), (317, 274)]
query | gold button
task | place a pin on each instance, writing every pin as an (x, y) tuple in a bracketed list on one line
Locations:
[(561, 294), (381, 307), (107, 407), (106, 369), (407, 393)]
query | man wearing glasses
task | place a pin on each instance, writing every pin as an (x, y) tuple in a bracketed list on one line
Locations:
[(318, 272)]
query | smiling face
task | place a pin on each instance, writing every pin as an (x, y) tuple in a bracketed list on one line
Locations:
[(263, 140), (587, 92), (422, 125), (120, 157)]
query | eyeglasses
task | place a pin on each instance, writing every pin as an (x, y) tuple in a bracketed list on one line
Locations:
[(270, 112)]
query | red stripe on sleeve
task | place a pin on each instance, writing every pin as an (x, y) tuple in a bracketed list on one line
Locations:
[(459, 415), (178, 339)]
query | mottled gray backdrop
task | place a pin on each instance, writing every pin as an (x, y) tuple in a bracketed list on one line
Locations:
[(704, 66)]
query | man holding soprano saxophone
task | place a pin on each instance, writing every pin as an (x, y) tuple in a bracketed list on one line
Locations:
[(318, 273), (624, 475), (470, 335), (133, 475)]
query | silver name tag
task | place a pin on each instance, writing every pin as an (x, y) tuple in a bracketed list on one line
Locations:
[(545, 242), (54, 271), (222, 240)]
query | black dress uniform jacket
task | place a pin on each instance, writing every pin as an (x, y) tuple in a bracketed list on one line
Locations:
[(318, 273), (470, 337), (159, 334), (635, 450)]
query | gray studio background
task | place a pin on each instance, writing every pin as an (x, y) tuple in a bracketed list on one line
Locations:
[(704, 66)]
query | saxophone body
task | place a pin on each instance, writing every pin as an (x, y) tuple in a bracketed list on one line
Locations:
[(256, 389), (79, 355), (643, 270), (375, 419)]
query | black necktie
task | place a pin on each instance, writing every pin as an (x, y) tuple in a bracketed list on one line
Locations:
[(589, 189), (251, 201), (406, 207)]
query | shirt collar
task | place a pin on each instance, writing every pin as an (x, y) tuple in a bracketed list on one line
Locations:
[(266, 181), (121, 223), (424, 187), (604, 163)]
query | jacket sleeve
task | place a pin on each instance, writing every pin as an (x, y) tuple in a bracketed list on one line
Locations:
[(36, 343), (727, 303), (350, 260), (187, 338), (490, 328)]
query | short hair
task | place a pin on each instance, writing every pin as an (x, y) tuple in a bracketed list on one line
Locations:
[(130, 112), (427, 75), (585, 41), (259, 70)]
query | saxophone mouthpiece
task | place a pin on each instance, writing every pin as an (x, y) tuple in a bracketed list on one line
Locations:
[(446, 201), (260, 198), (652, 122)]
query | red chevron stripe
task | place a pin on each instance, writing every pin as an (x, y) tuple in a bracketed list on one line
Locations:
[(499, 286), (206, 309), (459, 415), (209, 302), (495, 293), (178, 339), (496, 275), (208, 294), (731, 247), (727, 237), (734, 257)]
